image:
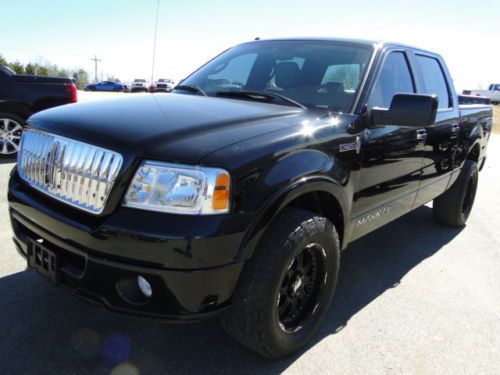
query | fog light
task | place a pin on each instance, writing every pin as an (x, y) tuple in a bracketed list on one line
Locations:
[(144, 286)]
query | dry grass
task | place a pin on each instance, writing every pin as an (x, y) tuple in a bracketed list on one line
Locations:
[(496, 119)]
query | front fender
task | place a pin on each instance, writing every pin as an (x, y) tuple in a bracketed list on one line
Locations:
[(273, 207)]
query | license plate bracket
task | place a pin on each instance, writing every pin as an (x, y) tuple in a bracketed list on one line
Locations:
[(43, 260)]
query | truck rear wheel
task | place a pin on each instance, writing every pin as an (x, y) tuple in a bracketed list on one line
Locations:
[(287, 286), (452, 208), (11, 127)]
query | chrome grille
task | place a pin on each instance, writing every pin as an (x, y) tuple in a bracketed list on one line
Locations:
[(76, 173)]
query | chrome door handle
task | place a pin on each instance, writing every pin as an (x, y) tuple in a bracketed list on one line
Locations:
[(455, 129)]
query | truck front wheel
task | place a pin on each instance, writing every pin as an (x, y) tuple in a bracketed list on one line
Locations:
[(452, 208), (287, 286)]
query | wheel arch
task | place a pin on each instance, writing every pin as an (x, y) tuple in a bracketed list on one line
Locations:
[(474, 152), (319, 194), (17, 109)]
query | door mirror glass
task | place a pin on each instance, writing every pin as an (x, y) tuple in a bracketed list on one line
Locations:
[(407, 110)]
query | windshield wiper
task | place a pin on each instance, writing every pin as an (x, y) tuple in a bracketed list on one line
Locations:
[(192, 88), (260, 94)]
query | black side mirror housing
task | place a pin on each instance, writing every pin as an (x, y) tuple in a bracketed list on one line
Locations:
[(407, 110)]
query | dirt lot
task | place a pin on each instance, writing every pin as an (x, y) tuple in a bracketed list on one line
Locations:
[(496, 119)]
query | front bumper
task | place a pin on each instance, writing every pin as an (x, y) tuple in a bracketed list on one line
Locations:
[(192, 277)]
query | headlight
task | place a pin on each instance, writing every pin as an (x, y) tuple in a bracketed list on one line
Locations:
[(179, 189)]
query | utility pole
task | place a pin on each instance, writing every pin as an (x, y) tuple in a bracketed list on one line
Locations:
[(95, 59), (154, 45)]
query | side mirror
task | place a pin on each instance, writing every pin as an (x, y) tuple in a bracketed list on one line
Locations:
[(407, 110)]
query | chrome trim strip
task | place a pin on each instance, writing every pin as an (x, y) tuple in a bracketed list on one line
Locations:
[(73, 172)]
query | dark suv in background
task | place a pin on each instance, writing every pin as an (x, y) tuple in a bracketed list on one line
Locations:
[(23, 95)]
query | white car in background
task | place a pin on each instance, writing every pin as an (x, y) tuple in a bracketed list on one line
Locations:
[(139, 84), (493, 93), (162, 85)]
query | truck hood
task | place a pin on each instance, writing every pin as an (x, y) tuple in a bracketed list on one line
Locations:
[(171, 127)]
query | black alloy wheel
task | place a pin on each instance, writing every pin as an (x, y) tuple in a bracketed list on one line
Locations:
[(301, 288)]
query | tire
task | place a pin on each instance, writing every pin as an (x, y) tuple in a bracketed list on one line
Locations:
[(453, 207), (258, 317), (11, 127)]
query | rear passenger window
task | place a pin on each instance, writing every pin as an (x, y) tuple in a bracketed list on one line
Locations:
[(434, 81), (395, 78)]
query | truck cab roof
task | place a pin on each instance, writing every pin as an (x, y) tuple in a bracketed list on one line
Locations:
[(376, 43)]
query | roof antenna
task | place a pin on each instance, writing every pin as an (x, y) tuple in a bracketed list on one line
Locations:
[(258, 38)]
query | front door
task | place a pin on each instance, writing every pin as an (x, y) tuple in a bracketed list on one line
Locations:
[(391, 155)]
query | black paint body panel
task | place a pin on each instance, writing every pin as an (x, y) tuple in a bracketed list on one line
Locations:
[(25, 95)]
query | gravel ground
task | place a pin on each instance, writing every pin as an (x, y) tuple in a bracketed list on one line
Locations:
[(413, 297)]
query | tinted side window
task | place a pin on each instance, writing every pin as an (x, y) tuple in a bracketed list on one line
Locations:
[(394, 78), (434, 81)]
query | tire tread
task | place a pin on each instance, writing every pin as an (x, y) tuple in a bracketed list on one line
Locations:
[(244, 322)]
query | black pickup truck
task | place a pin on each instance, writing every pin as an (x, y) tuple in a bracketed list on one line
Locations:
[(23, 95), (234, 195)]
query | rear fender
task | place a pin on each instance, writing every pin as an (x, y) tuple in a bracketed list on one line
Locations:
[(15, 108)]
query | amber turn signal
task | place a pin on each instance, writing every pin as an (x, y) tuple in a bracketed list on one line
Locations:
[(220, 200)]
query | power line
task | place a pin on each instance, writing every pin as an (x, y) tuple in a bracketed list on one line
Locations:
[(154, 43), (95, 59)]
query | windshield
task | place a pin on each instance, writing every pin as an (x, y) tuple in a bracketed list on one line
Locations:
[(140, 80), (316, 74)]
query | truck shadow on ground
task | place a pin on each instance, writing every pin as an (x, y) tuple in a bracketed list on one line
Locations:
[(9, 160), (46, 331)]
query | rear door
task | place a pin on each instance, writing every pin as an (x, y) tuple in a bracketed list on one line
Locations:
[(100, 86), (108, 86), (441, 139), (391, 155)]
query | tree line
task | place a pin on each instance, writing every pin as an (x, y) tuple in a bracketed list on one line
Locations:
[(80, 76)]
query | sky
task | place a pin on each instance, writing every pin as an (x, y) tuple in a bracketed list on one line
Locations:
[(190, 32)]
